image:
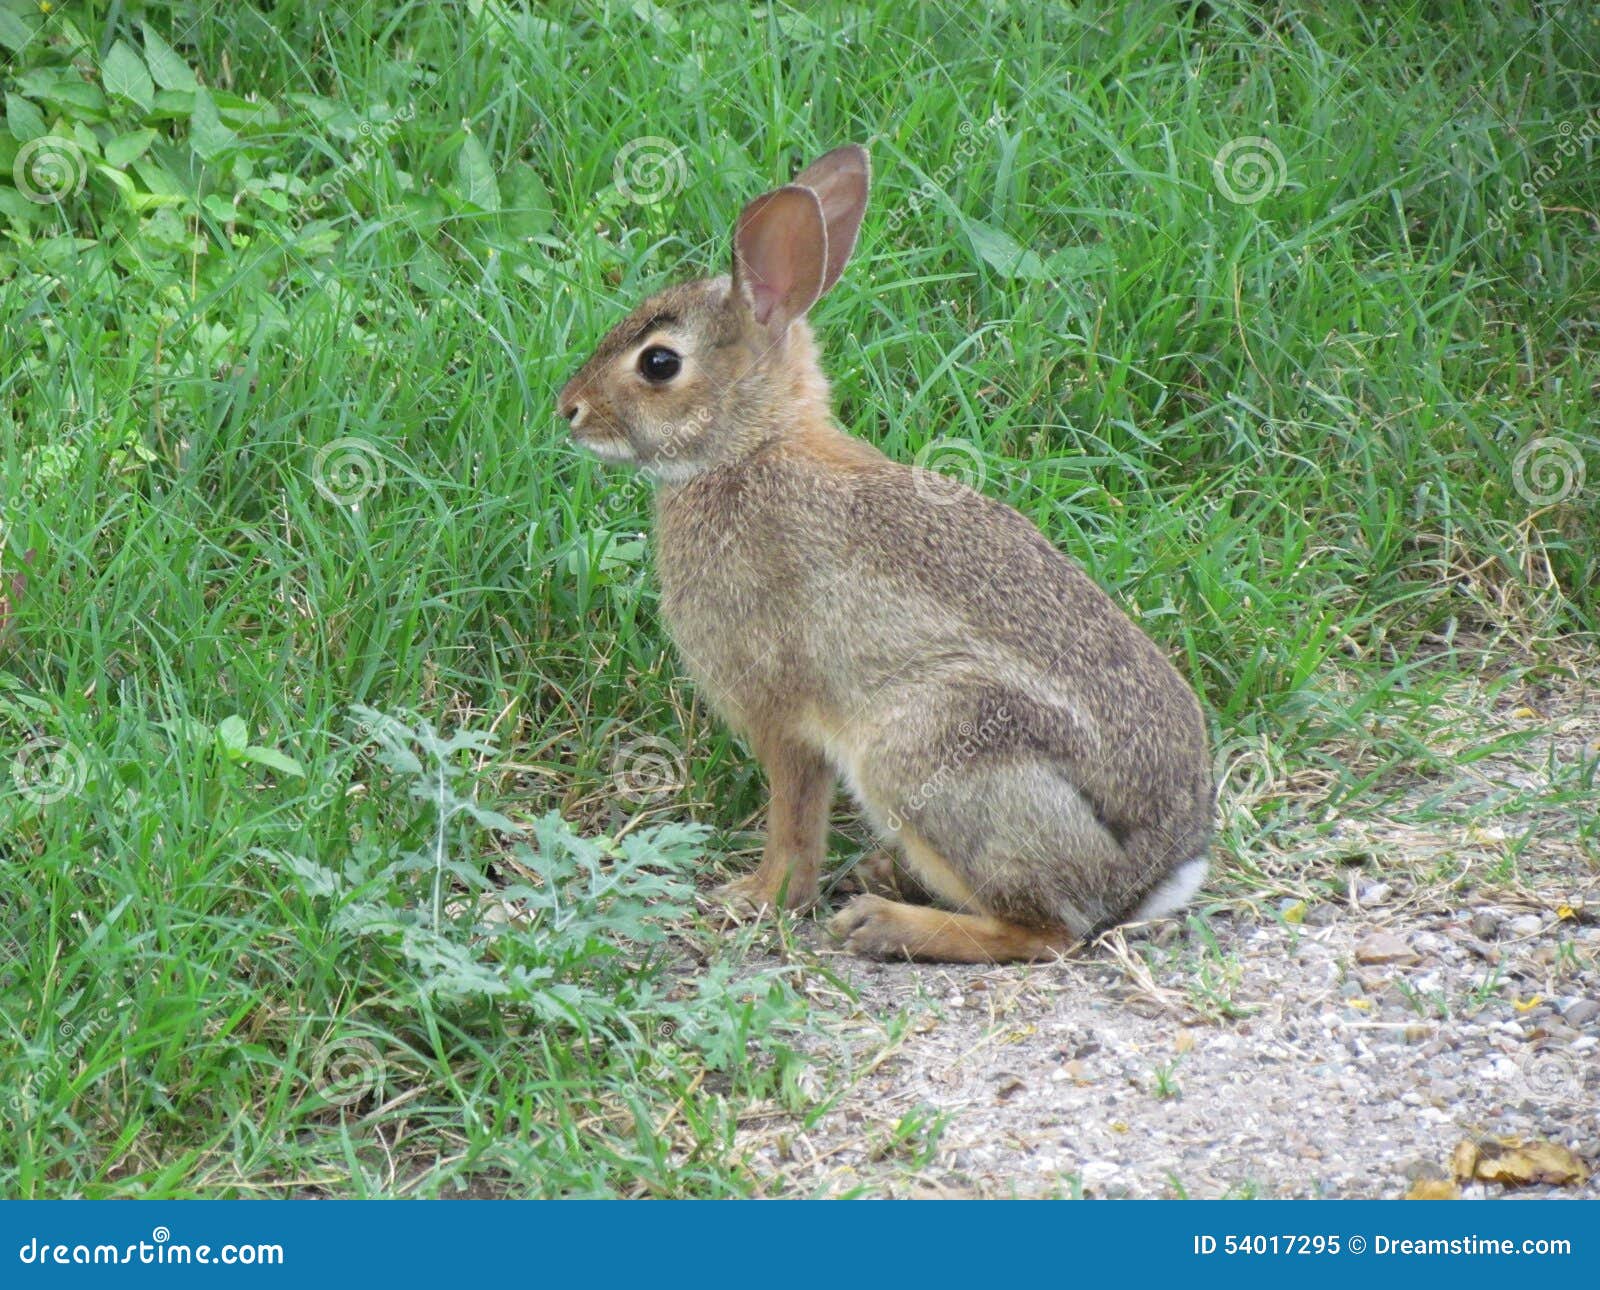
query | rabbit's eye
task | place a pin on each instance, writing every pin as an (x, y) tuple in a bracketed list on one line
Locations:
[(658, 363)]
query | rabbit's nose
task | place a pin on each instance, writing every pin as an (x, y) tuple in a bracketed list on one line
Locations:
[(572, 410)]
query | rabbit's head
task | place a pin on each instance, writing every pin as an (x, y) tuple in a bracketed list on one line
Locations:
[(706, 372)]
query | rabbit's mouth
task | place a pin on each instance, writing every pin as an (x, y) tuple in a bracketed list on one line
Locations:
[(606, 445)]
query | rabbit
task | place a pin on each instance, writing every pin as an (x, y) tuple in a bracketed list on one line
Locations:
[(1037, 765)]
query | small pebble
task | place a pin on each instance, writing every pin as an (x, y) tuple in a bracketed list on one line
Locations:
[(1581, 1013), (1384, 947)]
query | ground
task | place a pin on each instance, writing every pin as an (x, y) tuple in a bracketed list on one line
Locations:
[(1421, 992)]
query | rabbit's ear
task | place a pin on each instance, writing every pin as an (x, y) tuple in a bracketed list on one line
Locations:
[(780, 255), (840, 180)]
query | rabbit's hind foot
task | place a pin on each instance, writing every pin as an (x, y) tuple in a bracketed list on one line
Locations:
[(886, 929)]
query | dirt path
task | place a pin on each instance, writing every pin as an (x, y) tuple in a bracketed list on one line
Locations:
[(1341, 1045)]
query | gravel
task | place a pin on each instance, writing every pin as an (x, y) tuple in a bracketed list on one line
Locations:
[(1330, 1033), (1285, 1061)]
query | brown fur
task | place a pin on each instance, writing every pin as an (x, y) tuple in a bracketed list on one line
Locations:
[(1040, 762)]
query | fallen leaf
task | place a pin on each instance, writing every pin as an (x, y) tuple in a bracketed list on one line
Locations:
[(1514, 1162), (1566, 913), (1434, 1189), (1296, 913), (1528, 1005), (1184, 1042), (1365, 1005), (1524, 712)]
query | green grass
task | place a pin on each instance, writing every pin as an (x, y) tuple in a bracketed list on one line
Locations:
[(1286, 431)]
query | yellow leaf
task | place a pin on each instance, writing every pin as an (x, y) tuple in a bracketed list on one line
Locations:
[(1524, 712), (1566, 912), (1364, 1004), (1530, 1005), (1119, 1126), (1296, 913), (1433, 1189), (1513, 1162)]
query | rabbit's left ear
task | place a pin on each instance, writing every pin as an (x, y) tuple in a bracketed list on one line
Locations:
[(780, 254), (840, 179)]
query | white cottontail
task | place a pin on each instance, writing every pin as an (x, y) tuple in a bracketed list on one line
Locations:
[(1039, 764)]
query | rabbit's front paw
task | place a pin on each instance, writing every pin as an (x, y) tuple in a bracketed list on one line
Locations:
[(750, 898)]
